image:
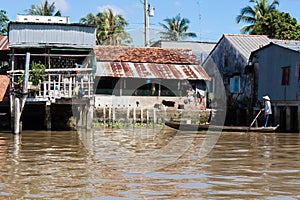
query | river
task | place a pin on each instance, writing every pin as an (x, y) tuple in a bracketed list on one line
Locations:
[(147, 163)]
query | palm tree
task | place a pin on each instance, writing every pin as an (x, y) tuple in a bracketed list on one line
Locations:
[(3, 22), (45, 9), (110, 28), (176, 29), (252, 15)]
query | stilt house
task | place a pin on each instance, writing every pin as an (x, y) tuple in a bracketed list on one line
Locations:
[(51, 69), (277, 70)]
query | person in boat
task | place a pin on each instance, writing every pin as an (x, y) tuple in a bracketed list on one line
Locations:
[(267, 109)]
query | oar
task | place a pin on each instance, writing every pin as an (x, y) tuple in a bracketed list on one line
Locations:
[(254, 120)]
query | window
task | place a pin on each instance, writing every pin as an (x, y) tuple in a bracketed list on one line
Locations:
[(285, 76), (235, 84)]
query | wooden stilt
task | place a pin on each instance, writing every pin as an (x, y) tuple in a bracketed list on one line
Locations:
[(109, 116), (147, 117), (104, 115), (48, 116), (134, 116), (127, 116), (113, 117), (142, 117), (154, 117), (288, 118)]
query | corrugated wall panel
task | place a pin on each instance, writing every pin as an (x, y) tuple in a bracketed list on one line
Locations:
[(30, 33)]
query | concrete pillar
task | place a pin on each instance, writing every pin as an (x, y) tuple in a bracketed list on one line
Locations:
[(12, 111), (17, 116), (288, 118)]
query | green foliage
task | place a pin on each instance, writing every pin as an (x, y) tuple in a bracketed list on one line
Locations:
[(45, 9), (252, 15), (37, 72), (278, 25), (176, 29), (110, 28), (3, 22)]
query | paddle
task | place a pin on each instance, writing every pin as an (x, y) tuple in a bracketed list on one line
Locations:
[(254, 119)]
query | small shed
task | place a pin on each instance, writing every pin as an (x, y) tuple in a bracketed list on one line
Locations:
[(231, 83), (277, 69)]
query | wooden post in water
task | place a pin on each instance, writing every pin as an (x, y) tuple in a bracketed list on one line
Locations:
[(147, 117), (134, 116), (154, 117), (113, 117), (104, 115), (142, 117), (127, 116), (48, 116), (288, 118), (109, 116)]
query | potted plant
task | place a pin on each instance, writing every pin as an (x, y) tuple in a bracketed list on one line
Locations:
[(37, 73)]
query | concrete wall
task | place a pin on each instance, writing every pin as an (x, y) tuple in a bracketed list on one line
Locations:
[(148, 102)]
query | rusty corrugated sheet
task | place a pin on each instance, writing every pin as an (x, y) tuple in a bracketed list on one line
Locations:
[(151, 70), (4, 81), (3, 42)]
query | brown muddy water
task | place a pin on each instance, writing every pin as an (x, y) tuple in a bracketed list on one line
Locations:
[(147, 163)]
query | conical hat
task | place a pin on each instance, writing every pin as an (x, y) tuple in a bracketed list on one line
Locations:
[(266, 98)]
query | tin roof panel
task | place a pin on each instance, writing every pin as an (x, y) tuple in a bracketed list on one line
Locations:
[(151, 70), (3, 42)]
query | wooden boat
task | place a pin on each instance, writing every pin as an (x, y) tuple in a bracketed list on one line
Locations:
[(201, 127)]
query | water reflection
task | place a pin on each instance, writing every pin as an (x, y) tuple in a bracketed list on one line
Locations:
[(98, 164)]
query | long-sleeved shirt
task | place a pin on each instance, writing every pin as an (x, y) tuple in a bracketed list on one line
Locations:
[(268, 109)]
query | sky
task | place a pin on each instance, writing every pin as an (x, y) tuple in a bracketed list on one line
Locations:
[(209, 19)]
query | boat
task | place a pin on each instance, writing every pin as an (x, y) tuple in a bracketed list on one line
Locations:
[(202, 127)]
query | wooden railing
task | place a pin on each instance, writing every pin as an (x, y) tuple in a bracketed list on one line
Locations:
[(59, 83)]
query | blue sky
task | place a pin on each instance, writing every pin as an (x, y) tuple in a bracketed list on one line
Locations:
[(209, 19)]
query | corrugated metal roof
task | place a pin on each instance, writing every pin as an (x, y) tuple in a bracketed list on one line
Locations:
[(245, 44), (3, 42), (4, 81), (290, 44), (151, 70), (51, 34)]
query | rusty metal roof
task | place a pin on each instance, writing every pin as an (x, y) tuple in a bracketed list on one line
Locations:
[(151, 70), (4, 81), (3, 42)]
